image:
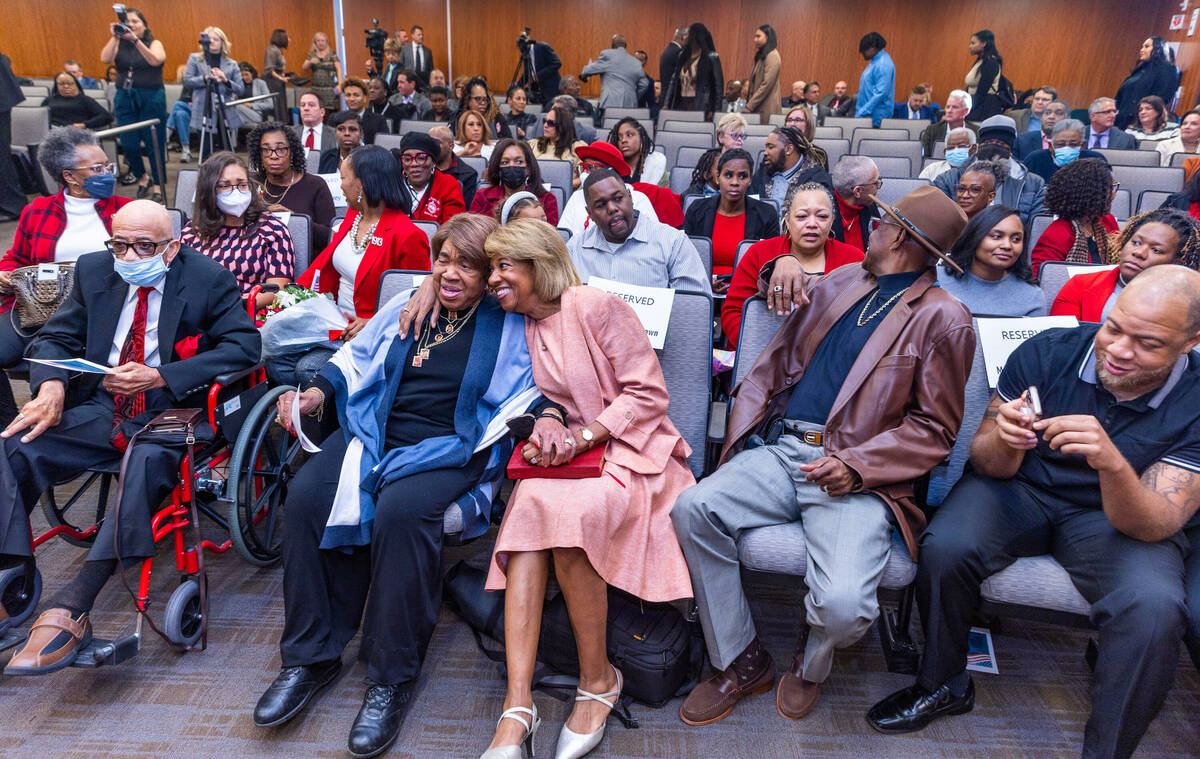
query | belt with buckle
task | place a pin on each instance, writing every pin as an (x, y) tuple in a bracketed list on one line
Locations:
[(810, 437)]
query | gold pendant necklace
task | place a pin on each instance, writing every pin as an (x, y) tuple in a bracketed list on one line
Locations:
[(863, 322), (430, 339)]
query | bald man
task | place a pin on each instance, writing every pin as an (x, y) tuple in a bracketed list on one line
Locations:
[(1105, 478), (839, 101), (624, 80), (169, 320), (797, 96)]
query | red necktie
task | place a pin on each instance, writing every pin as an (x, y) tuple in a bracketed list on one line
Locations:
[(308, 141), (126, 406)]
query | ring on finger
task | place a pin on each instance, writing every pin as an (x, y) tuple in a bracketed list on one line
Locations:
[(778, 288), (533, 460), (20, 415)]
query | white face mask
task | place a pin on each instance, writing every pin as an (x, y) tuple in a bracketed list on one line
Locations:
[(235, 202)]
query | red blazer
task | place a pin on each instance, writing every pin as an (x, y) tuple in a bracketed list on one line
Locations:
[(1084, 295), (443, 198), (744, 284), (395, 244), (487, 198), (1056, 241)]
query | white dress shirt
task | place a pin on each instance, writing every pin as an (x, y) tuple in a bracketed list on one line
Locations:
[(316, 134), (418, 55), (125, 323)]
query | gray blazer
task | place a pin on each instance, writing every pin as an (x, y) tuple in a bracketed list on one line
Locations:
[(193, 76), (408, 60), (623, 78), (328, 136)]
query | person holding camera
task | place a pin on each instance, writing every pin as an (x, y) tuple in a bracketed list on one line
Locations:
[(543, 65), (140, 95), (223, 79)]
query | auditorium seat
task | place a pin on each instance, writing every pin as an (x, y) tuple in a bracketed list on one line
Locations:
[(681, 179), (704, 248), (867, 133), (1054, 274), (691, 127), (671, 142), (909, 149), (895, 188), (893, 166), (1177, 159), (666, 115), (1151, 199), (1128, 157), (835, 149), (848, 124), (1139, 178), (914, 127), (827, 133), (689, 155)]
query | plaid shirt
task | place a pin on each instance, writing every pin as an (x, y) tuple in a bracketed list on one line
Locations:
[(42, 222)]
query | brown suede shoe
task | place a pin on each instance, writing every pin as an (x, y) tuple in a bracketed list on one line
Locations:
[(752, 672), (54, 640), (795, 697)]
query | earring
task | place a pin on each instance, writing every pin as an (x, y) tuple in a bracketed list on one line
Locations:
[(359, 201)]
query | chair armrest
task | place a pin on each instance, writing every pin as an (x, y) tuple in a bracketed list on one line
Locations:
[(225, 380)]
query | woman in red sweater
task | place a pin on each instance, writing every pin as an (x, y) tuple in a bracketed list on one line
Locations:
[(1080, 194), (513, 168), (730, 216), (1162, 236), (806, 227), (375, 236)]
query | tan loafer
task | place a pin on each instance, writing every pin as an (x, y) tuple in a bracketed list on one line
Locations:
[(795, 697), (751, 673), (55, 639)]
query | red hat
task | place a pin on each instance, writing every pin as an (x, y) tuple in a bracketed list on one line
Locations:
[(607, 154)]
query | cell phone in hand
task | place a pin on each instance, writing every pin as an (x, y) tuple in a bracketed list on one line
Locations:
[(1034, 401)]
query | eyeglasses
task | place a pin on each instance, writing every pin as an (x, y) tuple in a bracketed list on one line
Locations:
[(1107, 112), (414, 159), (226, 186), (737, 136), (99, 168), (970, 190), (143, 248), (550, 122), (876, 184), (276, 152), (484, 99), (795, 121)]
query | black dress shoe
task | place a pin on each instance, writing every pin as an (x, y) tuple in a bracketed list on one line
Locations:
[(293, 688), (913, 708), (378, 721)]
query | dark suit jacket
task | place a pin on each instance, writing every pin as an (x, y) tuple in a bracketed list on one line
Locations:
[(935, 133), (467, 178), (200, 300), (330, 158), (667, 63), (1117, 139), (900, 111), (1026, 143), (372, 124), (1041, 162), (10, 90), (408, 60), (762, 221), (844, 108), (547, 63)]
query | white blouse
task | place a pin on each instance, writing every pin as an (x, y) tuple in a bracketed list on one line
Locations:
[(84, 233)]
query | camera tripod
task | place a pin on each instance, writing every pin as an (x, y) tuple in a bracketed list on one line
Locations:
[(214, 132), (525, 75)]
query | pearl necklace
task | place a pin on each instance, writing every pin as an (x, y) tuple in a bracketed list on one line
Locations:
[(354, 235)]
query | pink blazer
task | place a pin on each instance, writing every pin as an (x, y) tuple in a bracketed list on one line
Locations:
[(615, 379)]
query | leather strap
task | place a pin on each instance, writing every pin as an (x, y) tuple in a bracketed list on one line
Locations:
[(515, 713), (60, 619)]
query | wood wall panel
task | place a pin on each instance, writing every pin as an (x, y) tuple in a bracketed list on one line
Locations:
[(1085, 47)]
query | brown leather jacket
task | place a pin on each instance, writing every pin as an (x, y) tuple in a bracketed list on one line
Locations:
[(899, 410)]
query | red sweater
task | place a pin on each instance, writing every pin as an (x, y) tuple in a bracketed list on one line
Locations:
[(666, 203), (395, 244), (487, 198), (744, 284), (442, 199), (1056, 241), (1084, 295)]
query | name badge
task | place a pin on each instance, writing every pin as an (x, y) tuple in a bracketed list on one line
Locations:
[(651, 304), (47, 273), (1000, 337)]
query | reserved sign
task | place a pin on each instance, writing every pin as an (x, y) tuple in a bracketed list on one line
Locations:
[(1000, 337), (652, 305), (334, 182), (1076, 270)]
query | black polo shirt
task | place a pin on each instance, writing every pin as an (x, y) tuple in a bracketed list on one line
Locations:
[(1162, 425)]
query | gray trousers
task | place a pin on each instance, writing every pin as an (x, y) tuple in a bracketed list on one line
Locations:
[(848, 540)]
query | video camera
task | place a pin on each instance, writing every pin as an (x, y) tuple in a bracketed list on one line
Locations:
[(123, 26), (524, 41), (375, 39), (211, 59)]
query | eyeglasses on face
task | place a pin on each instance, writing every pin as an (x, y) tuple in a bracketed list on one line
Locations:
[(276, 152), (227, 186), (969, 190), (484, 99), (143, 248), (736, 136), (414, 159), (99, 168), (1107, 112), (876, 184)]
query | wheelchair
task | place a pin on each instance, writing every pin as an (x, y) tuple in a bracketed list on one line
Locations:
[(238, 481)]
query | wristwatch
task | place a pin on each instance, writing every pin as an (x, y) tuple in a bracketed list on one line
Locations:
[(588, 436)]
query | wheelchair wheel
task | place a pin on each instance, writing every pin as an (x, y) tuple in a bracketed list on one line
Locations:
[(19, 592), (183, 615), (259, 471), (57, 513)]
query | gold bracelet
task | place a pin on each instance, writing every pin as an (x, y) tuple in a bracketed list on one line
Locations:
[(319, 411)]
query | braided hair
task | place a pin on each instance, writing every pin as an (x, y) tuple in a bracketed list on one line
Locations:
[(614, 139), (254, 148), (1184, 225), (1081, 193), (703, 166), (806, 149)]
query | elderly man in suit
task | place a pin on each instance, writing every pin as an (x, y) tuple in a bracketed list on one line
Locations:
[(312, 130), (415, 56), (812, 102), (169, 320), (1102, 134), (624, 79)]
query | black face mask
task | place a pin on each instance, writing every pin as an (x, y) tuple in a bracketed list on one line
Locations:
[(990, 152), (513, 177)]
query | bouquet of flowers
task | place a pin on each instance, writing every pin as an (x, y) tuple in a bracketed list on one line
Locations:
[(290, 295)]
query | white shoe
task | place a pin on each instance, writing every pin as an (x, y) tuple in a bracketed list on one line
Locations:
[(525, 747), (187, 155), (572, 745)]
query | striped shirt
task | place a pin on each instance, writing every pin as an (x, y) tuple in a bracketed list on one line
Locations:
[(254, 257), (654, 255)]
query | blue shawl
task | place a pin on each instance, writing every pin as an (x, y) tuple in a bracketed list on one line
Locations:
[(366, 373)]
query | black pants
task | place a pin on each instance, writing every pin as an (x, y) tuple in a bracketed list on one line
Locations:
[(12, 349), (396, 578), (1135, 588), (1192, 570), (78, 443), (12, 199)]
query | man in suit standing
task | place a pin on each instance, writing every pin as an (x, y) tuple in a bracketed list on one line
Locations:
[(415, 56), (624, 80), (312, 130), (812, 101), (915, 108), (669, 60), (647, 99), (12, 200), (545, 64), (1102, 134), (169, 320)]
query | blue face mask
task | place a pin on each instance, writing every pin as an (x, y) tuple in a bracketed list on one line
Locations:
[(145, 272), (100, 186), (957, 156), (1063, 156)]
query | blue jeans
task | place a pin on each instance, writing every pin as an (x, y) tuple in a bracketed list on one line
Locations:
[(131, 106), (180, 120)]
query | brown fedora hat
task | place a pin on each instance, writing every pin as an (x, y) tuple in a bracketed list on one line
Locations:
[(931, 217)]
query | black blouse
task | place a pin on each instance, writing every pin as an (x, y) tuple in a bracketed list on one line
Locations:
[(428, 394), (130, 62), (80, 109)]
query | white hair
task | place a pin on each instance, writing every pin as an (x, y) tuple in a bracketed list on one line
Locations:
[(962, 95), (852, 171), (972, 138)]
